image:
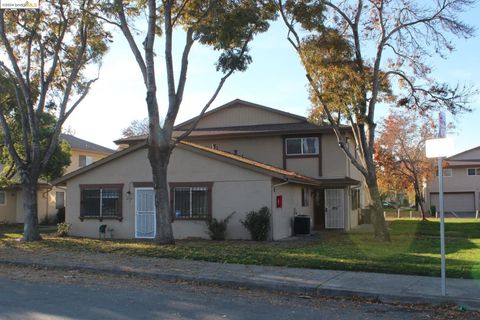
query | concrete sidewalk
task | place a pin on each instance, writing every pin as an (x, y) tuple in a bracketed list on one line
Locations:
[(384, 287)]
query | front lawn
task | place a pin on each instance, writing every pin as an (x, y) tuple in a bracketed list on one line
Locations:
[(414, 249)]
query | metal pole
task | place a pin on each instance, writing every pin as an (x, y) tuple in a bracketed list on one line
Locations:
[(442, 224)]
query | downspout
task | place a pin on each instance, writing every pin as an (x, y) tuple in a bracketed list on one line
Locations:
[(274, 204)]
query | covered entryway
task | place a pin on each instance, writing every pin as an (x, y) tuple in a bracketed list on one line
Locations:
[(144, 213), (455, 201), (319, 209), (334, 209)]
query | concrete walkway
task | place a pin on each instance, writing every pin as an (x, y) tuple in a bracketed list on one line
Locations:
[(384, 287)]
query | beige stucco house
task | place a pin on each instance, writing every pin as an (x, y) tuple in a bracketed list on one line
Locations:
[(50, 198), (241, 157), (461, 183)]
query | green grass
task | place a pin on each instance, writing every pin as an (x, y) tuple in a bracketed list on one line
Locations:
[(414, 249)]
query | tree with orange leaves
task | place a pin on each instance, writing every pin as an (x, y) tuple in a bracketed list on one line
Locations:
[(400, 153)]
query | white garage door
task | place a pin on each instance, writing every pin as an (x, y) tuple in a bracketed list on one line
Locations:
[(455, 201)]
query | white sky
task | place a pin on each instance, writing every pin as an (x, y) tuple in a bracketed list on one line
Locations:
[(275, 79)]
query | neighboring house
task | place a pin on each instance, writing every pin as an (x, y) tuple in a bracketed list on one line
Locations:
[(241, 157), (461, 183), (50, 198)]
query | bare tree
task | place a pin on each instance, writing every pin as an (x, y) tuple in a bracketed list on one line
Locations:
[(47, 52), (136, 128), (227, 26), (353, 50)]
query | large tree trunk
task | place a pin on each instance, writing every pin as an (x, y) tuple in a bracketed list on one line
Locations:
[(376, 214), (159, 158), (30, 213)]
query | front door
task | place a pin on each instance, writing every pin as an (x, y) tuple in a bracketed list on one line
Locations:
[(144, 213), (334, 209), (319, 209)]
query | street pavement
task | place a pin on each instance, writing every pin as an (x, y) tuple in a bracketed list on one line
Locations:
[(27, 293), (311, 282)]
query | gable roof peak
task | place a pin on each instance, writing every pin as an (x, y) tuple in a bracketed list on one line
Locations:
[(238, 101)]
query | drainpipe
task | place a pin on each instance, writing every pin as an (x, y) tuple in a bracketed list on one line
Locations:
[(280, 184)]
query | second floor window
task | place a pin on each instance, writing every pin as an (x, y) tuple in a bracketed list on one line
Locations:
[(84, 160), (302, 146), (473, 171), (447, 172)]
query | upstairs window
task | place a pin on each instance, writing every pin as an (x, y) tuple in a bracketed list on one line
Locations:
[(473, 171), (84, 160), (447, 172), (302, 146)]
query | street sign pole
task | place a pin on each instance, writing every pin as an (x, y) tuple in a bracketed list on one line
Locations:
[(442, 224), (439, 148), (442, 133)]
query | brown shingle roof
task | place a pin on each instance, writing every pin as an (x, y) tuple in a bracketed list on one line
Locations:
[(222, 156), (238, 131)]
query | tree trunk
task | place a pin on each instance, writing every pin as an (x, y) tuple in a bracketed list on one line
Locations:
[(420, 199), (30, 213), (376, 214), (159, 162)]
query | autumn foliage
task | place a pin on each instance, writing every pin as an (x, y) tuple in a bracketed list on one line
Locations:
[(402, 165)]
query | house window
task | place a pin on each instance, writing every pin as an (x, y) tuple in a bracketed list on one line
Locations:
[(473, 171), (447, 172), (84, 160), (302, 146), (59, 200), (305, 197), (101, 201), (3, 198), (355, 197), (191, 201)]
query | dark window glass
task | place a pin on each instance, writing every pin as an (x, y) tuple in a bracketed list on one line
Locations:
[(310, 145), (471, 172), (191, 202), (101, 202), (294, 146), (110, 202), (182, 202), (90, 205)]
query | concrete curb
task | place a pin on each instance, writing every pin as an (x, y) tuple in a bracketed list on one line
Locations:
[(294, 288)]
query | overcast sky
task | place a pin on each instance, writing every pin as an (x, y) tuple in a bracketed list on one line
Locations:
[(275, 79)]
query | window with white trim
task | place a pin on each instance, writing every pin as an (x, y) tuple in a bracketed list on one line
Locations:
[(473, 171), (302, 146), (3, 198), (101, 201), (191, 202)]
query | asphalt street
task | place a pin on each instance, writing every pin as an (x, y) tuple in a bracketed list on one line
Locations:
[(46, 294)]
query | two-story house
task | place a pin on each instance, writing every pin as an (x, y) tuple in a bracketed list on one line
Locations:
[(240, 157), (461, 182), (50, 198)]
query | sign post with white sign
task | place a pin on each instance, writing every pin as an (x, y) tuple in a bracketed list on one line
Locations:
[(439, 148)]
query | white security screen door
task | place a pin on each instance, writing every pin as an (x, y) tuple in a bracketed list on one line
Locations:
[(144, 213), (334, 209)]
